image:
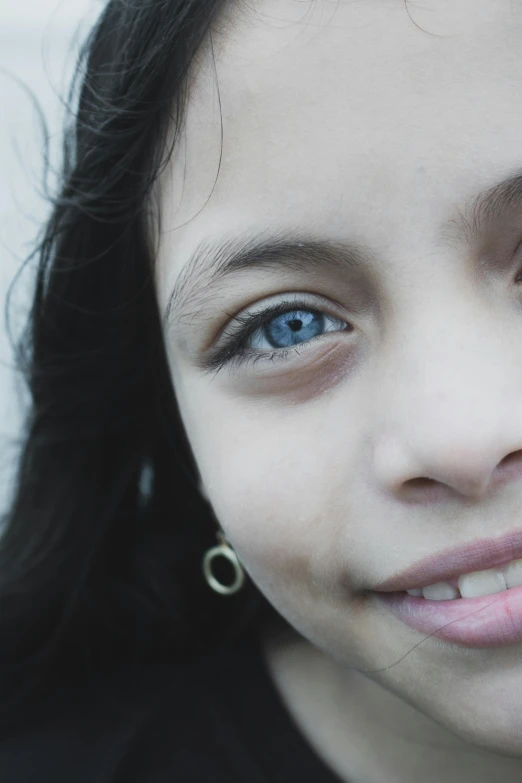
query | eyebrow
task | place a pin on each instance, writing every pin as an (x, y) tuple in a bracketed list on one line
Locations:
[(213, 261)]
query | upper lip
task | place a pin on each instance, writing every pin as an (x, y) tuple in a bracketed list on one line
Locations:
[(474, 556)]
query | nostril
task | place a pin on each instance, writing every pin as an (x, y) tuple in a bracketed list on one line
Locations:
[(514, 457), (510, 467), (420, 483), (423, 488)]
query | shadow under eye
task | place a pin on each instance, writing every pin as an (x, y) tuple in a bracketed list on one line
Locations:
[(307, 378)]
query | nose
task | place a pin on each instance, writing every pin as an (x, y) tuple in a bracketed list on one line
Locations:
[(456, 465), (453, 425)]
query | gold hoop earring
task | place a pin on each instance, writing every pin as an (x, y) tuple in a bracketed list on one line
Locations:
[(223, 550)]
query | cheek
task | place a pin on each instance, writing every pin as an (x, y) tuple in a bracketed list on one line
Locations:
[(277, 487), (286, 487)]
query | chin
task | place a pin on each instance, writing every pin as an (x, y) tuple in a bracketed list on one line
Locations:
[(493, 725)]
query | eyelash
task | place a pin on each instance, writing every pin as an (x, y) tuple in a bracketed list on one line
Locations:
[(233, 353)]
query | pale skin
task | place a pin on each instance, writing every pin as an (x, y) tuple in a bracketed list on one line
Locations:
[(372, 446)]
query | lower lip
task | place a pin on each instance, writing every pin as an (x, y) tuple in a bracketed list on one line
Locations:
[(489, 621)]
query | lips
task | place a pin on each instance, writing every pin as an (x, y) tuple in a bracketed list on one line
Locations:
[(487, 621), (444, 566)]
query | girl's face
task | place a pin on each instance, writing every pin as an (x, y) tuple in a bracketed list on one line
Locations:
[(375, 419)]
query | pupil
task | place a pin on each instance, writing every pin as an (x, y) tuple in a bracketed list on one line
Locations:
[(295, 324)]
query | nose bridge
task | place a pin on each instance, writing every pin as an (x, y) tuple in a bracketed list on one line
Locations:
[(452, 399)]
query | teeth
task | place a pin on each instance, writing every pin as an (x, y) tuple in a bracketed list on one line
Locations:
[(476, 584), (441, 591), (482, 583), (513, 573)]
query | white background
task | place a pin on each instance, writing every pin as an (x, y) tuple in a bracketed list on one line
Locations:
[(39, 41)]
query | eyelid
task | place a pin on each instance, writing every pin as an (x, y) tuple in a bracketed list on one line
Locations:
[(297, 298), (316, 302)]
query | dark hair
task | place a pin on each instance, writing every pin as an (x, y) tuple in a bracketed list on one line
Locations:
[(98, 570)]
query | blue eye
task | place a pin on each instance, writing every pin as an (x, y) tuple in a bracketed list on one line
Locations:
[(290, 328), (273, 332)]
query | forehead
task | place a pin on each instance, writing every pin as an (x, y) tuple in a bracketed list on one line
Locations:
[(362, 119)]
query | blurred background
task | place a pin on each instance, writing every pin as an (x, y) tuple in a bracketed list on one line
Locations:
[(39, 43)]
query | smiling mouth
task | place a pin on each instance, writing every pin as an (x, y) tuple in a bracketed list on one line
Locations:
[(475, 584), (469, 570)]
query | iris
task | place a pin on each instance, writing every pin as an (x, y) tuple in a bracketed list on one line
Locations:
[(294, 327)]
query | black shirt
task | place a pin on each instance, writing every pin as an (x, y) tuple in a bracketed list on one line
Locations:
[(219, 721)]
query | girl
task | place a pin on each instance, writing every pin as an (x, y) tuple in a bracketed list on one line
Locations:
[(267, 520)]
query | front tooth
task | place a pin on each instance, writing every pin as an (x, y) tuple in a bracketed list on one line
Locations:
[(513, 573), (482, 583), (441, 591)]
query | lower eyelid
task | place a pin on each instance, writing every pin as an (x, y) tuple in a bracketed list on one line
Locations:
[(279, 364)]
